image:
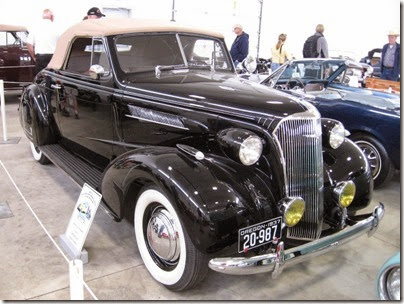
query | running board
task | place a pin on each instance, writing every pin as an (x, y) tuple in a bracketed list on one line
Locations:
[(76, 168)]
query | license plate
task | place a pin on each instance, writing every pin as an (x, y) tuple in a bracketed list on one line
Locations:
[(259, 234)]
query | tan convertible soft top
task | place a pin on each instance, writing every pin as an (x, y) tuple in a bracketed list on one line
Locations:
[(113, 26), (12, 28)]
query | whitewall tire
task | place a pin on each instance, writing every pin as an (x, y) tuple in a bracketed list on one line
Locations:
[(38, 155), (164, 245)]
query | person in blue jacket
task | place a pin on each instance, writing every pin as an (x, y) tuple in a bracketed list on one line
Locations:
[(239, 48), (390, 60)]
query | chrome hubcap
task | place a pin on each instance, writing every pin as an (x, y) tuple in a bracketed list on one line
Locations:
[(162, 236), (372, 155)]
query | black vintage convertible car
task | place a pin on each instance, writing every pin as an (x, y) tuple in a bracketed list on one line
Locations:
[(212, 169)]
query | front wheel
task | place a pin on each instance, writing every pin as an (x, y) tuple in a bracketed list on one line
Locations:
[(376, 154), (166, 249), (38, 155)]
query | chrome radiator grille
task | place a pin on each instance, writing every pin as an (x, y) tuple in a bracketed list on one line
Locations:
[(299, 139)]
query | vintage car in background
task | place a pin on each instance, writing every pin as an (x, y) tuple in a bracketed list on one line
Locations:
[(373, 59), (213, 169), (388, 283), (16, 64), (372, 117)]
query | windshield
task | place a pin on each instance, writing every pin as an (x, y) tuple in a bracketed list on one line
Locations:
[(309, 70), (142, 53)]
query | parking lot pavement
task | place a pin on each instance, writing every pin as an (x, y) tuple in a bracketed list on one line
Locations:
[(32, 267)]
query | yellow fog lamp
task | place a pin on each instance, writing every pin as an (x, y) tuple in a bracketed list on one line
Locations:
[(292, 209), (344, 193)]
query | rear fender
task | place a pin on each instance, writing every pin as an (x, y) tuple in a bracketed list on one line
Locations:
[(214, 197)]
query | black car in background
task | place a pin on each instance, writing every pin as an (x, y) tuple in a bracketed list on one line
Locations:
[(212, 169), (373, 59)]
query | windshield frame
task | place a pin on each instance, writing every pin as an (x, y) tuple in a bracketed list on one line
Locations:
[(342, 66), (114, 41)]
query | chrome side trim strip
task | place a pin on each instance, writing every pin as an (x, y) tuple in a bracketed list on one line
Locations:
[(157, 117), (156, 122)]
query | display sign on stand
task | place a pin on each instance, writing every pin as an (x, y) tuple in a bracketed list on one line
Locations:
[(80, 222)]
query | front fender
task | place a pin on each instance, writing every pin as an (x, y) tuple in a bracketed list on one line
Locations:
[(36, 117), (214, 197), (348, 163)]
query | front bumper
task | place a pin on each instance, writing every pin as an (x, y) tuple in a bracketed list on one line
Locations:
[(274, 262)]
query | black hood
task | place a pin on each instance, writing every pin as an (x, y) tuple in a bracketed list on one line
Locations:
[(220, 92)]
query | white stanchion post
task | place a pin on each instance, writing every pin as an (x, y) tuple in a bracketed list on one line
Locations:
[(76, 280), (3, 110)]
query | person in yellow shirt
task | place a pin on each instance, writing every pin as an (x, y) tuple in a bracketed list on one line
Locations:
[(279, 53)]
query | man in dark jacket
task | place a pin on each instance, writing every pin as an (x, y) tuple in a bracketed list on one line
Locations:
[(390, 60), (316, 46), (239, 48)]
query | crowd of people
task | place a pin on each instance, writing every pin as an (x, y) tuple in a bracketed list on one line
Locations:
[(316, 46), (43, 37)]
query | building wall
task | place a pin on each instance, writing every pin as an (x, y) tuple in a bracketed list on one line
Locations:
[(352, 27)]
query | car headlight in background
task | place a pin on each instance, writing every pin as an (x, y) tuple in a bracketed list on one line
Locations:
[(292, 209), (388, 283), (333, 133), (241, 145), (393, 284), (250, 150), (344, 193)]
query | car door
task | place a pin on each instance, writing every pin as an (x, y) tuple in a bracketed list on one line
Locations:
[(85, 105)]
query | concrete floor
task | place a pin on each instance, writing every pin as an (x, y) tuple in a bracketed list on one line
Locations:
[(32, 268)]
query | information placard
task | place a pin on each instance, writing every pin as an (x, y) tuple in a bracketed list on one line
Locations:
[(82, 217)]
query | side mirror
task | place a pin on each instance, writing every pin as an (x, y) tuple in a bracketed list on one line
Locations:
[(250, 64), (96, 71)]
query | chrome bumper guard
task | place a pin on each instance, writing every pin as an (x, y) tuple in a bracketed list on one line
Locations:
[(274, 262)]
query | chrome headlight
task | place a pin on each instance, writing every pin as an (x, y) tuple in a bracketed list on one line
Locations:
[(345, 193), (333, 133), (337, 136), (388, 279), (292, 209), (390, 283), (393, 284), (241, 145), (250, 150)]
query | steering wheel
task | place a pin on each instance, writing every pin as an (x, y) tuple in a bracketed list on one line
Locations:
[(297, 81)]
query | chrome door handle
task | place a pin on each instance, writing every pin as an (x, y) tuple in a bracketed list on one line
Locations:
[(56, 86)]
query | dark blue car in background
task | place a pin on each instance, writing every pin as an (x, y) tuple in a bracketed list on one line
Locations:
[(333, 86)]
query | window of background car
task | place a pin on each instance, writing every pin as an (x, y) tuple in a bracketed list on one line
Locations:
[(9, 39), (350, 77), (202, 52), (306, 70), (80, 59), (310, 70), (143, 53)]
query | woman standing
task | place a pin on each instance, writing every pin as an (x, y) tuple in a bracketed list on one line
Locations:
[(279, 53)]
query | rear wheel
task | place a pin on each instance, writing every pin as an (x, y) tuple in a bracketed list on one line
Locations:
[(166, 249), (38, 155), (379, 161)]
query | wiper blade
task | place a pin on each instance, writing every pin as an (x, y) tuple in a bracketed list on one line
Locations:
[(160, 68)]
